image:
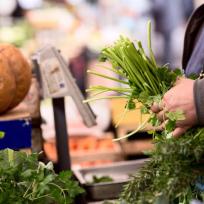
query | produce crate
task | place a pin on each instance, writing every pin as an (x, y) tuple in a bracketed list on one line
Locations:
[(88, 150)]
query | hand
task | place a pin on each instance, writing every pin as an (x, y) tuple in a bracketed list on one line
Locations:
[(180, 97)]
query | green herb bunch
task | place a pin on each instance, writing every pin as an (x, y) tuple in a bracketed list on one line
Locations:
[(25, 180), (172, 172), (144, 80), (171, 175)]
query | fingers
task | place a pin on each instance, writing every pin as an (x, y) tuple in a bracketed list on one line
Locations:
[(179, 131), (162, 115), (157, 107), (161, 109)]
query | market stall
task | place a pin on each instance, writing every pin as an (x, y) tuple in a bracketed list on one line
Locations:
[(78, 82)]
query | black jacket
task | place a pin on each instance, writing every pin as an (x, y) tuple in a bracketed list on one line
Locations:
[(195, 25)]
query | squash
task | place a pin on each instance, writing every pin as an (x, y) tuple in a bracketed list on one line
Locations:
[(15, 75), (7, 84)]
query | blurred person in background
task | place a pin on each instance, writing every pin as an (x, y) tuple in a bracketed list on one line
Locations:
[(78, 66), (17, 8), (31, 4), (18, 12), (7, 7), (188, 95), (169, 15)]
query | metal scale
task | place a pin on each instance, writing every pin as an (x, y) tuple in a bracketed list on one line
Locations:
[(57, 82)]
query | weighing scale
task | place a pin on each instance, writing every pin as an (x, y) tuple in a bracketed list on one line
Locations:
[(57, 82)]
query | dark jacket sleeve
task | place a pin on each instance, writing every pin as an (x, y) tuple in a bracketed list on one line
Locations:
[(199, 100), (195, 24), (192, 30)]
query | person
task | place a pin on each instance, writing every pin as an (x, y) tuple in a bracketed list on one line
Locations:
[(188, 94), (168, 15)]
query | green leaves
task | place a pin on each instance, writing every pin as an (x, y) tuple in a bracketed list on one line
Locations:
[(173, 117), (130, 105), (101, 179), (153, 120), (25, 180), (170, 173)]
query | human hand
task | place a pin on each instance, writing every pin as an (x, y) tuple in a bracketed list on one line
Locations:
[(180, 97)]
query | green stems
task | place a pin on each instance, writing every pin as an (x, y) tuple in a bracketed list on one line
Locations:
[(105, 97), (150, 44), (107, 77)]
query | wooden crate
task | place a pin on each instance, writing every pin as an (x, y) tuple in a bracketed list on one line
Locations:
[(88, 149)]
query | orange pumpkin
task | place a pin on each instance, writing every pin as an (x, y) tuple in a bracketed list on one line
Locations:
[(15, 77)]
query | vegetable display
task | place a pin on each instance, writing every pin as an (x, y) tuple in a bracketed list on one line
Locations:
[(25, 180), (173, 173), (17, 33), (101, 179)]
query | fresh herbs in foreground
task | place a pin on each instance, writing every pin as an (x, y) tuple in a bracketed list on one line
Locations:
[(25, 180), (170, 176), (173, 174)]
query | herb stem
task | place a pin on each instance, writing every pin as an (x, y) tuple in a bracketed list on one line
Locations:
[(106, 97), (107, 77), (140, 127)]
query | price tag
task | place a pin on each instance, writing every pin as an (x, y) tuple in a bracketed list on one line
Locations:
[(53, 79)]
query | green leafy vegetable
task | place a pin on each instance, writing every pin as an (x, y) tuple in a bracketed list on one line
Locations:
[(171, 173), (101, 179), (25, 180), (17, 33), (145, 81)]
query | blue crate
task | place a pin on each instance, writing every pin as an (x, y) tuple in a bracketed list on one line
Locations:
[(17, 134)]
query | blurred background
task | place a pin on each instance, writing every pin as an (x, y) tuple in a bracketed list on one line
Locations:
[(80, 29)]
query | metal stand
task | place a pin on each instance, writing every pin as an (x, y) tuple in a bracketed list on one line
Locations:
[(62, 140), (62, 146)]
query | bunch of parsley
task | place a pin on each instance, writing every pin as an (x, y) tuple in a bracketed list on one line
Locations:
[(25, 180)]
